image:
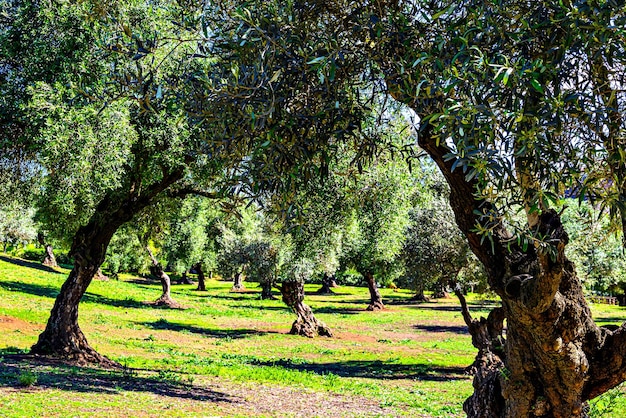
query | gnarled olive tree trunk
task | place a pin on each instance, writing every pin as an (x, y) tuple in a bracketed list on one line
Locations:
[(201, 278), (555, 358), (49, 259), (307, 324), (266, 289), (184, 278), (166, 284), (376, 301), (327, 284), (237, 283), (62, 336)]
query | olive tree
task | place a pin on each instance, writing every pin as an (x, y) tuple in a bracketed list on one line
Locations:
[(515, 102)]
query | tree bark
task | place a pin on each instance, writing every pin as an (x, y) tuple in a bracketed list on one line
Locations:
[(327, 283), (238, 283), (420, 296), (201, 279), (554, 357), (266, 289), (157, 270), (62, 336), (49, 259), (376, 301), (306, 324)]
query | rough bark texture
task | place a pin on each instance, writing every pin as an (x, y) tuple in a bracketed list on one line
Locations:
[(327, 283), (266, 289), (62, 336), (376, 301), (488, 339), (238, 283), (49, 259), (157, 270), (201, 278), (306, 324), (554, 357)]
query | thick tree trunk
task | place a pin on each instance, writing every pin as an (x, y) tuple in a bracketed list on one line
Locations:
[(488, 339), (62, 336), (238, 283), (376, 301), (327, 283), (157, 270), (554, 357), (266, 289), (420, 296), (49, 259), (306, 324), (201, 279)]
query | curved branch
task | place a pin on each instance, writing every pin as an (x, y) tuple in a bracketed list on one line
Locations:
[(608, 367)]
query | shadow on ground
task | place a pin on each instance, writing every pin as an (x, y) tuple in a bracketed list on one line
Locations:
[(52, 292), (51, 374), (214, 333), (29, 264), (372, 369), (457, 329)]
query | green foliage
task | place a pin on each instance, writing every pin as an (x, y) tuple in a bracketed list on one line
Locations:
[(594, 248), (192, 235), (17, 226), (375, 232), (27, 378), (126, 252)]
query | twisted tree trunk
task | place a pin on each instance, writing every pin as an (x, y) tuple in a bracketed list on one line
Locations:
[(201, 279), (266, 289), (101, 276), (238, 283), (157, 270), (306, 324), (62, 336), (554, 358), (327, 283), (184, 279), (49, 259), (376, 301)]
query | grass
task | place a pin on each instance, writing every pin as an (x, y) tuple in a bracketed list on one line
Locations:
[(229, 354)]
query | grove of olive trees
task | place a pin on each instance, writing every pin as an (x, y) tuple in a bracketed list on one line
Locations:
[(292, 107)]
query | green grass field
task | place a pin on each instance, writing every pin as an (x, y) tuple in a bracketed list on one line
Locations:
[(229, 354)]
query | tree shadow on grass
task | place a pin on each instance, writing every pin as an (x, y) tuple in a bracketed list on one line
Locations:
[(457, 329), (214, 333), (342, 311), (29, 264), (615, 319), (373, 369), (53, 374), (31, 289), (52, 292)]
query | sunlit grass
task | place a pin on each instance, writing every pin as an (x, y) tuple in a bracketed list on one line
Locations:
[(408, 359)]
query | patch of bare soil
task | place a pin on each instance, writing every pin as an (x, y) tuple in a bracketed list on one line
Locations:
[(281, 402), (9, 323)]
